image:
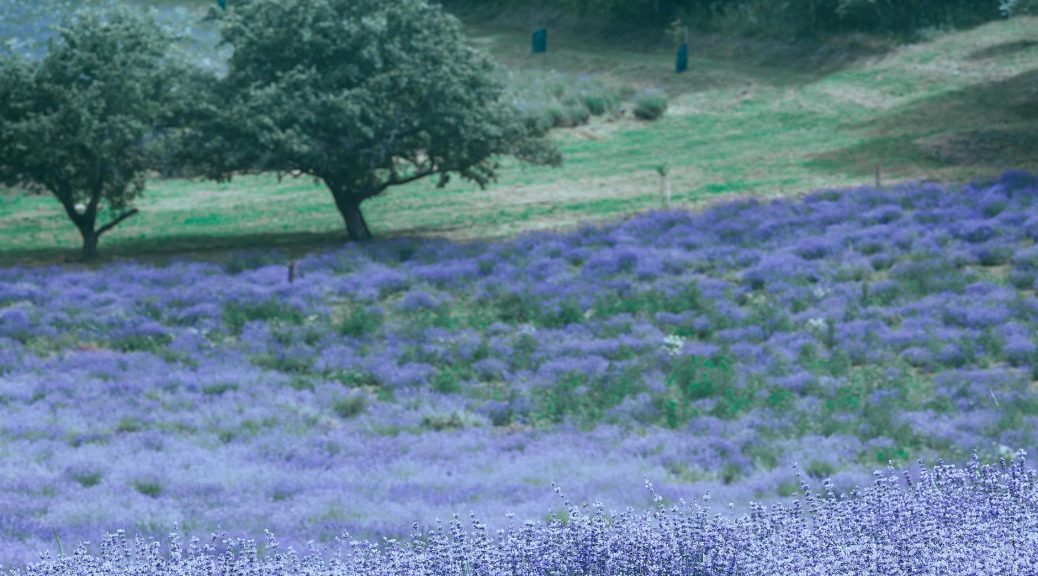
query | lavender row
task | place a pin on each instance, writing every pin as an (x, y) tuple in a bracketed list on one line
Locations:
[(946, 521)]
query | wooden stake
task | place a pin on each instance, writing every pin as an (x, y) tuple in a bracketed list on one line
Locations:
[(664, 172), (291, 271), (879, 183)]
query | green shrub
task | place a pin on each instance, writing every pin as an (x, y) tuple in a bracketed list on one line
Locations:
[(356, 379), (650, 104), (765, 454), (820, 469), (287, 362), (555, 402), (87, 479), (787, 488), (218, 389), (577, 114), (129, 424), (650, 302), (996, 256), (581, 398), (351, 405), (730, 473), (923, 274), (523, 351), (557, 116), (361, 321), (693, 378), (598, 104), (447, 381), (148, 487), (516, 308), (443, 421), (236, 315)]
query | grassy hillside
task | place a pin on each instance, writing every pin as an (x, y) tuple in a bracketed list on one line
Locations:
[(960, 106)]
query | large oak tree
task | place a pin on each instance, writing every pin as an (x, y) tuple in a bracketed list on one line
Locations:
[(363, 95)]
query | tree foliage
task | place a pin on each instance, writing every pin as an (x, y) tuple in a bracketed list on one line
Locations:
[(84, 123), (363, 95)]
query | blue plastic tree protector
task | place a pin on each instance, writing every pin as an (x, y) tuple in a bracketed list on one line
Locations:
[(540, 41)]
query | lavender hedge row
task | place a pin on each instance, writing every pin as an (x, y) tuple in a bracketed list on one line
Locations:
[(945, 522), (411, 378)]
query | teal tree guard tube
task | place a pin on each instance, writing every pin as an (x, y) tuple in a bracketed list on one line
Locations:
[(540, 41), (682, 64)]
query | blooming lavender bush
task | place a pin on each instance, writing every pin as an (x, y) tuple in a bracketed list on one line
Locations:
[(947, 521), (408, 379)]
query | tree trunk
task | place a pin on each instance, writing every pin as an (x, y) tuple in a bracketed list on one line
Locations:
[(356, 227), (90, 239), (349, 208)]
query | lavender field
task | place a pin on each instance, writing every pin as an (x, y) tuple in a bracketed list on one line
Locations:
[(405, 380)]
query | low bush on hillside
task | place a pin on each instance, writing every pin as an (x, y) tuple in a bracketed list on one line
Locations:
[(559, 100), (650, 104)]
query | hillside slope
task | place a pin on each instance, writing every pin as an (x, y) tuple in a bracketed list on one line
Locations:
[(960, 106)]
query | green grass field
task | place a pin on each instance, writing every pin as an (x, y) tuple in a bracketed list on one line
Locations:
[(959, 106)]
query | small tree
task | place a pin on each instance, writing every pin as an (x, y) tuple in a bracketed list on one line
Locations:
[(363, 95), (82, 122)]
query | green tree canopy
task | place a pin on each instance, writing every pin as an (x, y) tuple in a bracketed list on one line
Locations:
[(363, 95), (83, 123)]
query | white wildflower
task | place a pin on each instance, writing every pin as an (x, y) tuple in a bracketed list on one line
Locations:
[(673, 344), (818, 324)]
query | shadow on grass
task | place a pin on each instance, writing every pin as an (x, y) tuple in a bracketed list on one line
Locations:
[(216, 248), (985, 128), (1002, 50), (163, 249)]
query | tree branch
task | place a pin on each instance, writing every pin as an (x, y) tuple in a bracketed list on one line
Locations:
[(397, 181), (116, 222)]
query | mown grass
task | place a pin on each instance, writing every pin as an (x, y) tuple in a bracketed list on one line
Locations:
[(953, 108)]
